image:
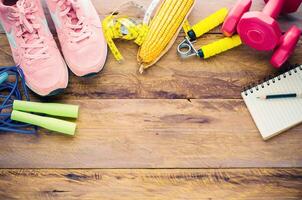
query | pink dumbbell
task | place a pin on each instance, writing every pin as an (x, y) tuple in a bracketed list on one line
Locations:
[(229, 26), (286, 46), (261, 31)]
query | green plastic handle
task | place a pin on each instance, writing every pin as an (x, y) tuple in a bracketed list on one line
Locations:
[(54, 109), (49, 123)]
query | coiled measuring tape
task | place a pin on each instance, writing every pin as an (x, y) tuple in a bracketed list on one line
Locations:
[(122, 28), (127, 28), (186, 48)]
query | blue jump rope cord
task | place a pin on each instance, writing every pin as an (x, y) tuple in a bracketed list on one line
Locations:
[(14, 93)]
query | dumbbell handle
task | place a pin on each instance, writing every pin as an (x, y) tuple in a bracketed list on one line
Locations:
[(273, 8)]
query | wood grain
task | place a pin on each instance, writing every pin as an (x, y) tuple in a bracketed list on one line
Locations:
[(223, 76), (201, 10), (128, 120), (189, 184), (155, 134)]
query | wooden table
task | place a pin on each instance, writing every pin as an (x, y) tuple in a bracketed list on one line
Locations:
[(180, 131)]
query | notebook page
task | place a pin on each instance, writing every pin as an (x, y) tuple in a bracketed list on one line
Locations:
[(276, 115)]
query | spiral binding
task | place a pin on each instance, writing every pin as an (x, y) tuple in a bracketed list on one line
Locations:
[(267, 81)]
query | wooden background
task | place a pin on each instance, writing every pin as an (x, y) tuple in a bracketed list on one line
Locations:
[(180, 131)]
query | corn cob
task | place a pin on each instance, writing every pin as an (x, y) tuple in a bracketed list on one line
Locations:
[(163, 31)]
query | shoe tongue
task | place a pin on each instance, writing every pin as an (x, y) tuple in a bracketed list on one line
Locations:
[(26, 3), (29, 37), (23, 3), (75, 13), (73, 16)]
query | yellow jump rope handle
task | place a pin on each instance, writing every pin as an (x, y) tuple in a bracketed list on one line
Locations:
[(206, 24), (219, 46)]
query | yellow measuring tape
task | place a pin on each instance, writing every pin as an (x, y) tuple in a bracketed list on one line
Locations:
[(127, 28), (122, 28)]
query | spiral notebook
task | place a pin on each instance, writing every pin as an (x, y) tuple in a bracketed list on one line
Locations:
[(275, 116)]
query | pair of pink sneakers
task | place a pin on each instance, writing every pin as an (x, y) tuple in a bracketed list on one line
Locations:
[(35, 51)]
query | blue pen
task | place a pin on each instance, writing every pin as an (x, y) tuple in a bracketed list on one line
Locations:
[(280, 96)]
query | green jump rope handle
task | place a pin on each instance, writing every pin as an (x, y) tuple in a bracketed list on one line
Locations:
[(54, 109), (52, 124)]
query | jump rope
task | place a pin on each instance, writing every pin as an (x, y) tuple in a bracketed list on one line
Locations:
[(11, 91), (19, 115)]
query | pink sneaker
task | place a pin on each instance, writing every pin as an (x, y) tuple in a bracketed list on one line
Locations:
[(80, 33), (33, 46)]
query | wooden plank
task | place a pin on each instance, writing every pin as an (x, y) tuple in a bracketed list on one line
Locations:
[(187, 184), (201, 10), (223, 76), (155, 134)]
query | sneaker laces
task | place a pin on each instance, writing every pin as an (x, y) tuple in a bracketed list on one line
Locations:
[(34, 45), (77, 25)]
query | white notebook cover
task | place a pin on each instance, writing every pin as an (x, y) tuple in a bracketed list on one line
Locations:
[(275, 116)]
